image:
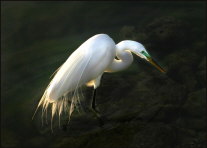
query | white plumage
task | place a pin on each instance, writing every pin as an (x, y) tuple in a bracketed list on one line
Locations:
[(82, 62), (86, 66)]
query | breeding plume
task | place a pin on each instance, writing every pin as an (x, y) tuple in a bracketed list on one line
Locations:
[(85, 66)]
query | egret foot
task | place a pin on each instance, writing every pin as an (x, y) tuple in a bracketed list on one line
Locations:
[(101, 121), (98, 116)]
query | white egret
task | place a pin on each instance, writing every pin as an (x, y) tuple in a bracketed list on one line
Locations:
[(86, 65)]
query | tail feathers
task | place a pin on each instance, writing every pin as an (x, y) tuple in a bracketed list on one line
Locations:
[(59, 106), (42, 101), (77, 64)]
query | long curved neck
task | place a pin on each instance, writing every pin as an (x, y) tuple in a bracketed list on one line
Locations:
[(125, 58)]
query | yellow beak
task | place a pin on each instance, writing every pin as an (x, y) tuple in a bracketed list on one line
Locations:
[(150, 60)]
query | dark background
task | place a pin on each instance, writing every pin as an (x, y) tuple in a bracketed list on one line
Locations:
[(142, 107)]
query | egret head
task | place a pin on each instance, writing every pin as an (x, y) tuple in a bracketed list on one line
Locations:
[(140, 51)]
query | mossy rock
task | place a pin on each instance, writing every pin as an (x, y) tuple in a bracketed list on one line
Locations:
[(195, 105)]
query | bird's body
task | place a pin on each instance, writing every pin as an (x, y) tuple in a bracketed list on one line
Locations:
[(82, 67), (86, 65)]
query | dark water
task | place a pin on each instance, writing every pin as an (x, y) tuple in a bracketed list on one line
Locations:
[(141, 107)]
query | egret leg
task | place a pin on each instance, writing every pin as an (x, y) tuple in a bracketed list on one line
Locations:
[(96, 84), (93, 109), (93, 106)]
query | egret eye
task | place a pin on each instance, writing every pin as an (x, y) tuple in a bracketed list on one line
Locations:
[(145, 54), (142, 52)]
